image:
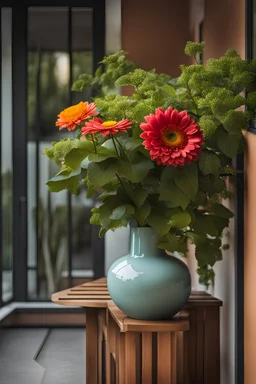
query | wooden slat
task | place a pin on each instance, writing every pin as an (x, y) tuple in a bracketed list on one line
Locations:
[(85, 289), (84, 294), (164, 358), (121, 359), (101, 327), (87, 297), (181, 374), (92, 346), (200, 346), (211, 346), (146, 341), (174, 357), (110, 348), (130, 357)]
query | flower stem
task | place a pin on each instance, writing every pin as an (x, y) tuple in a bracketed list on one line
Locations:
[(122, 149), (112, 137), (94, 144), (122, 184)]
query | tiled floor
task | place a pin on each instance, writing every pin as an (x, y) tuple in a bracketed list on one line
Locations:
[(60, 361)]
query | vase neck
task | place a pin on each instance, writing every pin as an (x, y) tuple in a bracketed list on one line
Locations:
[(143, 242)]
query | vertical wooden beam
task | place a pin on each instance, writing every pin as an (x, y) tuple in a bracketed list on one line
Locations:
[(200, 346), (164, 358), (212, 346), (92, 345), (146, 357), (121, 359), (174, 357), (111, 337), (181, 373), (130, 357)]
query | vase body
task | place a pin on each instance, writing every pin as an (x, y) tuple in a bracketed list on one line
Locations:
[(148, 284)]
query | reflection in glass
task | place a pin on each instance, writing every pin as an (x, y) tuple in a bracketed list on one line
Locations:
[(49, 85), (6, 154)]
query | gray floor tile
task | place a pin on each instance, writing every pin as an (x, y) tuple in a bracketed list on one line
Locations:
[(63, 357)]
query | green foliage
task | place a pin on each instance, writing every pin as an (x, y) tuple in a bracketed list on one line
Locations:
[(180, 203), (192, 48)]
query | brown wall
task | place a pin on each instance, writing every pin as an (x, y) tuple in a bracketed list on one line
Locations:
[(155, 33), (224, 27)]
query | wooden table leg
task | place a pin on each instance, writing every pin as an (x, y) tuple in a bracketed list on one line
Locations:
[(146, 362), (111, 341), (164, 358), (121, 358), (130, 357), (92, 345)]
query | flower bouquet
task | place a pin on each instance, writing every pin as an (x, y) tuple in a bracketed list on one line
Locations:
[(161, 156)]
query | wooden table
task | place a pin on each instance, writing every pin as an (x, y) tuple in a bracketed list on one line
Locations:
[(120, 349)]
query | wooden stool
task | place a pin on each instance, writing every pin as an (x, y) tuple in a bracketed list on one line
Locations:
[(198, 351), (94, 297), (142, 351)]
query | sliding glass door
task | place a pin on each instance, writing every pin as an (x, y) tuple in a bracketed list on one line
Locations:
[(47, 242)]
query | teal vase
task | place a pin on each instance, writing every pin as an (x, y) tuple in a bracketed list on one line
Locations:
[(148, 284)]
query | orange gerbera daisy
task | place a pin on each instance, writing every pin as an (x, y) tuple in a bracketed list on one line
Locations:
[(76, 114), (172, 137), (106, 128)]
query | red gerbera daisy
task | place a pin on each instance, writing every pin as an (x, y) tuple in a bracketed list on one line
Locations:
[(76, 114), (172, 137), (106, 128)]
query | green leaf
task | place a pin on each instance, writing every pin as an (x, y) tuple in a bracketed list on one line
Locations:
[(106, 194), (180, 220), (228, 144), (201, 198), (135, 172), (220, 223), (159, 218), (209, 163), (139, 196), (187, 180), (211, 185), (221, 211), (95, 218), (172, 243), (205, 224), (102, 154), (65, 180), (235, 122), (196, 238), (141, 213), (169, 173), (132, 143), (102, 173), (120, 211), (208, 252), (74, 158), (169, 191)]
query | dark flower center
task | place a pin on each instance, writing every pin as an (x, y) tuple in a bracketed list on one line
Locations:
[(173, 137)]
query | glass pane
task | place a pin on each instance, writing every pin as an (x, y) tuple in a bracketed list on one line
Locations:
[(6, 154), (82, 54), (82, 61), (48, 89), (49, 92)]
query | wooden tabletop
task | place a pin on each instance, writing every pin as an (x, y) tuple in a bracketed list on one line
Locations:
[(92, 294), (95, 294)]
